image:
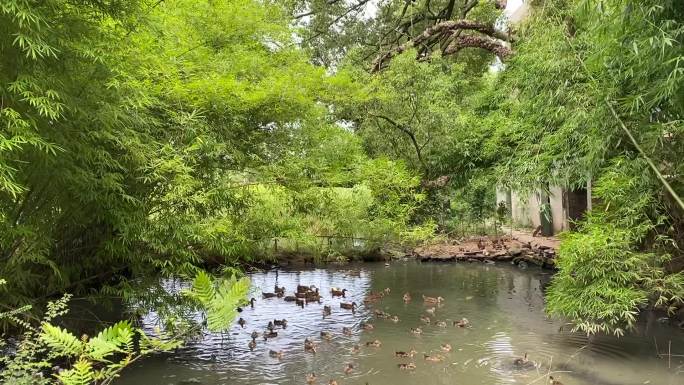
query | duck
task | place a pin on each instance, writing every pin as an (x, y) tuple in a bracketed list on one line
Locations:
[(289, 298), (269, 295), (276, 354), (348, 369), (279, 290), (346, 331), (270, 326), (408, 354), (435, 358), (327, 310), (430, 310), (326, 335), (242, 322), (374, 343), (446, 348), (355, 349), (521, 361), (553, 381), (254, 335), (250, 303), (309, 346), (462, 323), (309, 300), (425, 319), (302, 289), (416, 330), (407, 297), (441, 324), (348, 306), (394, 318), (280, 322), (252, 344), (366, 326), (311, 378), (270, 334), (433, 299), (338, 292), (409, 366)]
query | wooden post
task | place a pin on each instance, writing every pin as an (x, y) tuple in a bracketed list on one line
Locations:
[(275, 244)]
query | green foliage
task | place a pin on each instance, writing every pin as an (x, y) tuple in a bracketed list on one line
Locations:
[(97, 360), (219, 299)]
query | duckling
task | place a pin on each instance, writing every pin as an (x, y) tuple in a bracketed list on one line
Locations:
[(268, 295), (552, 381), (355, 349), (280, 322), (270, 326), (407, 297), (366, 326), (309, 300), (270, 334), (436, 358), (311, 378), (326, 335), (425, 319), (289, 298), (433, 299), (242, 322), (387, 290), (430, 310), (409, 366), (327, 310), (462, 323), (394, 318), (416, 330), (302, 289), (446, 348), (251, 302), (255, 335), (346, 331), (276, 354), (338, 292), (374, 343), (408, 354), (252, 344), (348, 306), (278, 290), (441, 324), (381, 314), (309, 346), (348, 369)]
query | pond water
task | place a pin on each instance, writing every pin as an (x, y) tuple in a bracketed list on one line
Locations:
[(503, 304)]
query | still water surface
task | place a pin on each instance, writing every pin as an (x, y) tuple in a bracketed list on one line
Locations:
[(503, 304)]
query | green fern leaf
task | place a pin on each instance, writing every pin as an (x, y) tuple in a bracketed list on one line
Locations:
[(60, 340)]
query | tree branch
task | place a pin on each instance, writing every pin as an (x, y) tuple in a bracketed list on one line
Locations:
[(409, 133), (492, 42)]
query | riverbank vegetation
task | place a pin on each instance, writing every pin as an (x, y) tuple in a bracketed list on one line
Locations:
[(150, 138)]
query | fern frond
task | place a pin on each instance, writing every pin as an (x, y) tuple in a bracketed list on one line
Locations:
[(60, 340)]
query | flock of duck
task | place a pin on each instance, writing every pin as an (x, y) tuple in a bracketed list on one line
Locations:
[(305, 295)]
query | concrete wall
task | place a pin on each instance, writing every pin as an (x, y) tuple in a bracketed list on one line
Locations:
[(526, 209)]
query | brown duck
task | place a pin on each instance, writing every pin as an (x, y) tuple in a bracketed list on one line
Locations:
[(348, 306)]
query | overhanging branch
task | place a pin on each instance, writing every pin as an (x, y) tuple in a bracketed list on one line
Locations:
[(492, 40)]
